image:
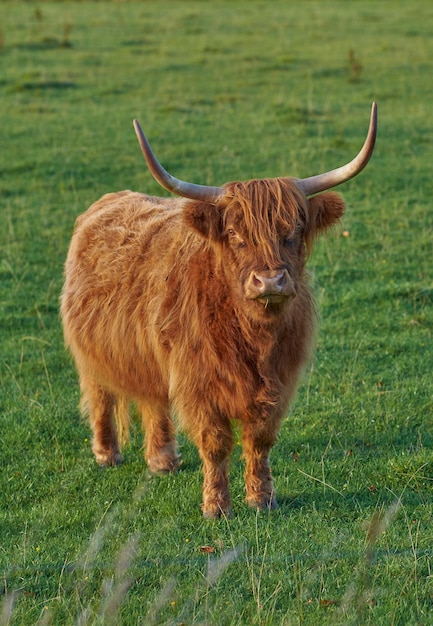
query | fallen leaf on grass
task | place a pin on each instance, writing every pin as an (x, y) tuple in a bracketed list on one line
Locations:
[(206, 549), (326, 603)]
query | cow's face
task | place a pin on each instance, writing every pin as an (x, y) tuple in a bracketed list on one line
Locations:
[(262, 231)]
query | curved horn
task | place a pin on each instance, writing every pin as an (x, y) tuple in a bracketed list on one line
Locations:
[(314, 184), (166, 180)]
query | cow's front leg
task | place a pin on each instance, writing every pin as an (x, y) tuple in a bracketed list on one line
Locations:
[(215, 442), (259, 486)]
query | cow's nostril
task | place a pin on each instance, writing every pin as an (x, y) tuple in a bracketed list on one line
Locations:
[(257, 281), (282, 279)]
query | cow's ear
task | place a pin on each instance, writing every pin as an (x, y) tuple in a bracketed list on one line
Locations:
[(204, 218), (325, 210)]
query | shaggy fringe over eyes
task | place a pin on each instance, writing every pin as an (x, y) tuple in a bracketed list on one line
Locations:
[(268, 208)]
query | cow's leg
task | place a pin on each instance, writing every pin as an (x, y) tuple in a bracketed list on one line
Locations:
[(257, 444), (161, 446), (99, 403), (215, 442)]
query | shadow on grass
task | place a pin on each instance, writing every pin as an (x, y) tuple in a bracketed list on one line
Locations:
[(41, 86)]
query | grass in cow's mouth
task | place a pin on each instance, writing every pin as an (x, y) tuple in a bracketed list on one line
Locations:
[(228, 91), (271, 300)]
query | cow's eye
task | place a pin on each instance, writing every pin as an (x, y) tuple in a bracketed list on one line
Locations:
[(235, 240), (289, 241)]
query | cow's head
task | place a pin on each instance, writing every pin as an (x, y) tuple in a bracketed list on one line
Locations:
[(263, 229)]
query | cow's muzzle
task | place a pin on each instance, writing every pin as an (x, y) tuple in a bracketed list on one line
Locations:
[(270, 287)]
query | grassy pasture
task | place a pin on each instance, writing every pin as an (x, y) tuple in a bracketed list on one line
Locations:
[(224, 90)]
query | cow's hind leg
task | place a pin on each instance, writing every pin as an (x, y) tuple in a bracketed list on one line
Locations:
[(161, 446), (215, 442), (258, 479), (99, 404)]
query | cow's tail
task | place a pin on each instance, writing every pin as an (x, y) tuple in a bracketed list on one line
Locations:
[(121, 413)]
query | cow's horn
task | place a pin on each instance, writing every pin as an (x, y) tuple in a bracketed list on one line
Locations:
[(314, 184), (166, 180)]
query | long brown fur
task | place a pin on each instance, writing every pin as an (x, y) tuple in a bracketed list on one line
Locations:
[(158, 308)]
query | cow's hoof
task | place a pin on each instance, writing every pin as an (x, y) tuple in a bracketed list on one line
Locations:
[(266, 503), (164, 463), (216, 512), (108, 458)]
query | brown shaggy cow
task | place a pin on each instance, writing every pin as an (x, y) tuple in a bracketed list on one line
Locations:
[(198, 308)]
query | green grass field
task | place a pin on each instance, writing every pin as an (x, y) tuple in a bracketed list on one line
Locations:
[(224, 91)]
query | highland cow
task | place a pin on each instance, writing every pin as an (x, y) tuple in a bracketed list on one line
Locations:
[(198, 309)]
